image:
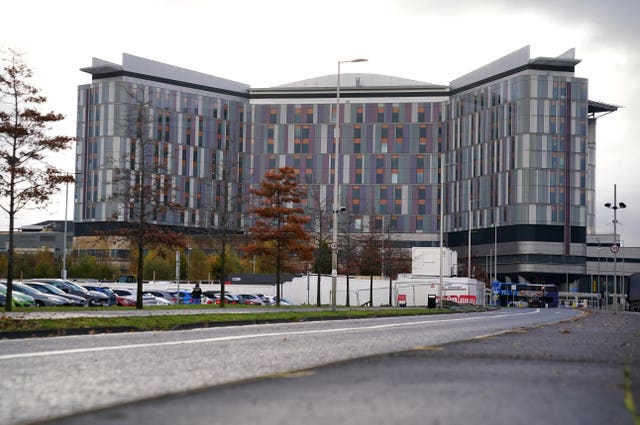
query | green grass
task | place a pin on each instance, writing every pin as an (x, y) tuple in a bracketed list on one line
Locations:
[(10, 326)]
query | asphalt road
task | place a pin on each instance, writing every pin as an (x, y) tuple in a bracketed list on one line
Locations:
[(397, 370)]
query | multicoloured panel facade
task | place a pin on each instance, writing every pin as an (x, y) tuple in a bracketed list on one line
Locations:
[(508, 151)]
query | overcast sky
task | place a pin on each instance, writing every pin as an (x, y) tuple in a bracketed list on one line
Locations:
[(268, 43)]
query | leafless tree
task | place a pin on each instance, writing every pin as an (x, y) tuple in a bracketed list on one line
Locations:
[(26, 178), (142, 184)]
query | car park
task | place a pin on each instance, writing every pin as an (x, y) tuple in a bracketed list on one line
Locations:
[(93, 298), (47, 288), (42, 299)]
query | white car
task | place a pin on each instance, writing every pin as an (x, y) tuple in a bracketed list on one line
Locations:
[(147, 299), (159, 300)]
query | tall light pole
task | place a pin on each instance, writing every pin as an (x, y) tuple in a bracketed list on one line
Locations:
[(598, 285), (469, 237), (442, 201), (336, 207), (495, 246), (64, 242), (615, 247)]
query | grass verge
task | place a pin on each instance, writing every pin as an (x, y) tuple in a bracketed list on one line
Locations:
[(20, 327)]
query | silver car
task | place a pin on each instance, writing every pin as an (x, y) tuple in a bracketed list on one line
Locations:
[(46, 288), (42, 299)]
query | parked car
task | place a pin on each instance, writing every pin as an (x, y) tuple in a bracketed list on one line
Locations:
[(42, 299), (283, 301), (111, 296), (124, 301), (163, 294), (214, 297), (250, 299), (47, 288), (266, 300), (159, 300), (19, 299), (93, 298), (185, 296), (131, 294)]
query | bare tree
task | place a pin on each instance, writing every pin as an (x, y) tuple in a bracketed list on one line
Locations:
[(142, 185), (26, 177), (320, 219), (225, 206)]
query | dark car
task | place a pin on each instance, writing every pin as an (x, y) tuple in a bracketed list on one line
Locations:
[(108, 292), (93, 298), (47, 288)]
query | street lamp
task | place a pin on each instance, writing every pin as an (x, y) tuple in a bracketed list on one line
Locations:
[(598, 284), (336, 209), (469, 237), (615, 247), (64, 242), (442, 203)]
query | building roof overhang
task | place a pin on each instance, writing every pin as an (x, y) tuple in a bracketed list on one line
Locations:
[(600, 109)]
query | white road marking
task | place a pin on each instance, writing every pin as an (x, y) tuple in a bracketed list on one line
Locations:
[(239, 337)]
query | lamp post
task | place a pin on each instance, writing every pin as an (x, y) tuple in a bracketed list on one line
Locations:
[(495, 246), (64, 242), (615, 247), (598, 284), (336, 208), (469, 241), (442, 200)]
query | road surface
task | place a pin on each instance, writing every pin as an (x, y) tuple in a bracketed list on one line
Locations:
[(54, 377)]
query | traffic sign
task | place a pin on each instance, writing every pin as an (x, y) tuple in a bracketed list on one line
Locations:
[(615, 248), (334, 245)]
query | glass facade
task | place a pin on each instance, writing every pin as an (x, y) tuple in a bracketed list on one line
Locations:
[(193, 142), (509, 150)]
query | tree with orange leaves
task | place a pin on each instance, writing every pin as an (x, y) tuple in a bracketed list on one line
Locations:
[(278, 231)]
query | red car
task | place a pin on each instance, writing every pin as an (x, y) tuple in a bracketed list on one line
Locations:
[(124, 301)]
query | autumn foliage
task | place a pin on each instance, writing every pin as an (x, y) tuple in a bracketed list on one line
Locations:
[(278, 233)]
